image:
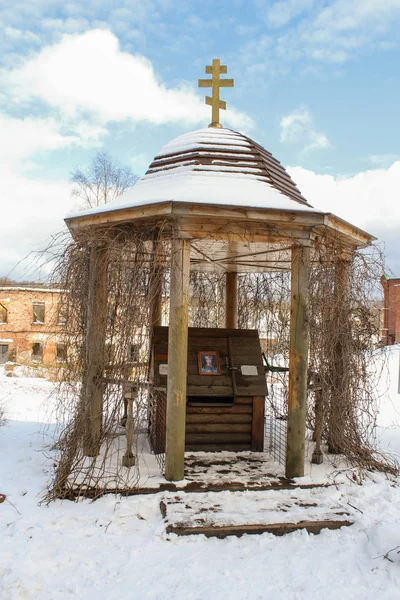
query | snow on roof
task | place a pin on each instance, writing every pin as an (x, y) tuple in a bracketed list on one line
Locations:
[(224, 139), (175, 177)]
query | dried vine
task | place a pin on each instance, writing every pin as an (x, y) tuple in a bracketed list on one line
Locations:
[(343, 328)]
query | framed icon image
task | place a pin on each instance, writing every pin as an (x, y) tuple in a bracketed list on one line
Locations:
[(208, 361)]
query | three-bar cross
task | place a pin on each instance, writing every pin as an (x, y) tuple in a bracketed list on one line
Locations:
[(215, 83)]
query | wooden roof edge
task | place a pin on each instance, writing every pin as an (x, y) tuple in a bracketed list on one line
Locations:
[(119, 215), (170, 208), (349, 231)]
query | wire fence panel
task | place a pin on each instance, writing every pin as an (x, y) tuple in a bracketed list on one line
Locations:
[(157, 425), (276, 416)]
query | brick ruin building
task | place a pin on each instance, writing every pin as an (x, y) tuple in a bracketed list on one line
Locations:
[(31, 324), (391, 310)]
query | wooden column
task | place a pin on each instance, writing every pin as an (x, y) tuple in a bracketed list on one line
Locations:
[(155, 287), (340, 372), (231, 304), (92, 385), (298, 362), (177, 360), (156, 297)]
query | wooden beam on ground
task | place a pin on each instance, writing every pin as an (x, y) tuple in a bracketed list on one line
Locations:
[(298, 363), (194, 487), (279, 529), (92, 385), (177, 360), (231, 303)]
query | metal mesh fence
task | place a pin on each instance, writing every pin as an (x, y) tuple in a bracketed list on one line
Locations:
[(157, 425), (276, 415)]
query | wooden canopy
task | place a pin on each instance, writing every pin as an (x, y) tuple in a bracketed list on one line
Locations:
[(228, 195), (231, 207)]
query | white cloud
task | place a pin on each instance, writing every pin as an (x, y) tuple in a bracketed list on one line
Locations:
[(298, 127), (20, 138), (80, 86), (333, 31), (32, 208), (369, 200), (282, 12), (382, 160), (88, 73)]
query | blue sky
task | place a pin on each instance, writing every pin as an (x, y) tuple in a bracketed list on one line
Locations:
[(316, 83)]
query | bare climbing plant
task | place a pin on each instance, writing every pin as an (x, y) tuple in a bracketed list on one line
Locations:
[(344, 332)]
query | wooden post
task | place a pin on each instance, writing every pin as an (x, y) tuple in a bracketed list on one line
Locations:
[(231, 305), (257, 425), (318, 457), (129, 458), (340, 373), (156, 297), (92, 385), (298, 362), (177, 360)]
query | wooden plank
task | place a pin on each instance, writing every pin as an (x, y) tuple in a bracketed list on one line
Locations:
[(231, 303), (209, 390), (217, 448), (298, 361), (278, 529), (177, 352), (210, 380), (216, 332), (218, 428), (243, 400), (257, 426), (218, 438), (207, 340), (238, 409), (214, 418), (253, 390), (306, 217)]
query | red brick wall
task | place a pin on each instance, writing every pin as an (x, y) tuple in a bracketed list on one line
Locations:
[(20, 327)]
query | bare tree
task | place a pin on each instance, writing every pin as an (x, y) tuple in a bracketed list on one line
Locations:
[(103, 181)]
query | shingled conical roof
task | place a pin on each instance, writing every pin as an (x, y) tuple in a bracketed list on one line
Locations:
[(224, 153), (213, 166)]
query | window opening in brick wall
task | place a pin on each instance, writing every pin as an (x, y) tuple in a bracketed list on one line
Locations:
[(38, 312), (3, 353), (134, 353), (37, 352), (61, 314), (61, 352), (3, 313)]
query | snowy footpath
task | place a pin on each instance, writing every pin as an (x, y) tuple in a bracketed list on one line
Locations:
[(117, 548)]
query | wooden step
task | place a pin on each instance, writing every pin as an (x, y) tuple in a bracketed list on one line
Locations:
[(279, 529)]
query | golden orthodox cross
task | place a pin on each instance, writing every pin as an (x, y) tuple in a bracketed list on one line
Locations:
[(216, 69)]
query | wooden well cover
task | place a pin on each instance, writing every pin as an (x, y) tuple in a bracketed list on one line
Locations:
[(236, 348)]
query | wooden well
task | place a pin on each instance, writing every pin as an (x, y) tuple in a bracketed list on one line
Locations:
[(223, 411)]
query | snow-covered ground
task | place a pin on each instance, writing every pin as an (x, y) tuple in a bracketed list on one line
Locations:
[(118, 547)]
